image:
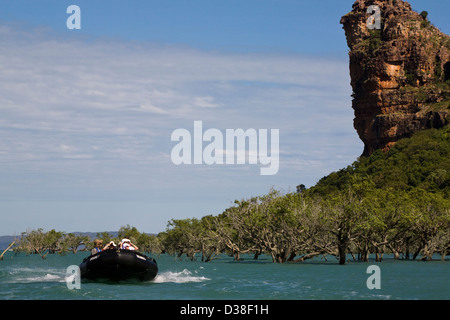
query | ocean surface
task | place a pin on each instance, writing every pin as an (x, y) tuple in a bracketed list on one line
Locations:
[(29, 277)]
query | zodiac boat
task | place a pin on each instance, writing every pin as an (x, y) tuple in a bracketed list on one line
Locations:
[(118, 265)]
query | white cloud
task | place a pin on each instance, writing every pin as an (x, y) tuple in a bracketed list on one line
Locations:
[(205, 102), (101, 112)]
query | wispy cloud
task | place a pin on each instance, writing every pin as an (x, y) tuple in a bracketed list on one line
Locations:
[(100, 112)]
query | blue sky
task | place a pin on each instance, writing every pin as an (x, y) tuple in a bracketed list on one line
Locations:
[(86, 115)]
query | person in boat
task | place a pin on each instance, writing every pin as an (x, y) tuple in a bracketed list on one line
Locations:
[(97, 246), (110, 246), (127, 245)]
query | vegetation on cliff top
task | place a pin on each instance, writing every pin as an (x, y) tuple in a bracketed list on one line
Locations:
[(421, 161)]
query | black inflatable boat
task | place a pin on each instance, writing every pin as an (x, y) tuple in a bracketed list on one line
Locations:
[(118, 265)]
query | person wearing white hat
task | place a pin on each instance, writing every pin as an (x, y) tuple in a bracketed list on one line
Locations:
[(127, 245), (110, 246)]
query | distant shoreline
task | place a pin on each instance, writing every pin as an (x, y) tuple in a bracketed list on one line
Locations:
[(7, 239)]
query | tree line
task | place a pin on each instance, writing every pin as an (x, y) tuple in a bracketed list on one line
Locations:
[(393, 202), (38, 241), (293, 227), (390, 202)]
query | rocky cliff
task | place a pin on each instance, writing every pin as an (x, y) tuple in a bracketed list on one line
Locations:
[(400, 72)]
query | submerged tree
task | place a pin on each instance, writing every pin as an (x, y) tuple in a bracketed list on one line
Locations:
[(73, 242), (40, 242)]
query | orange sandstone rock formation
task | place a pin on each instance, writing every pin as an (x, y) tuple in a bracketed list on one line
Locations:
[(400, 73)]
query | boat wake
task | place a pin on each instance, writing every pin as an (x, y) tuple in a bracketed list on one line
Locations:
[(184, 276), (29, 275)]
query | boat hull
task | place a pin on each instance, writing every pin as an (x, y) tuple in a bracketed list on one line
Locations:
[(118, 265)]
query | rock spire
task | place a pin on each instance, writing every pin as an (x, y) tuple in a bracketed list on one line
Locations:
[(400, 71)]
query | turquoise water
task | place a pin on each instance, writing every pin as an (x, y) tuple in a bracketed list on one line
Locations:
[(30, 277)]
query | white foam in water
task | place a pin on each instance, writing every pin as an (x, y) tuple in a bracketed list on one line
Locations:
[(28, 275), (45, 278), (25, 275), (178, 277)]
